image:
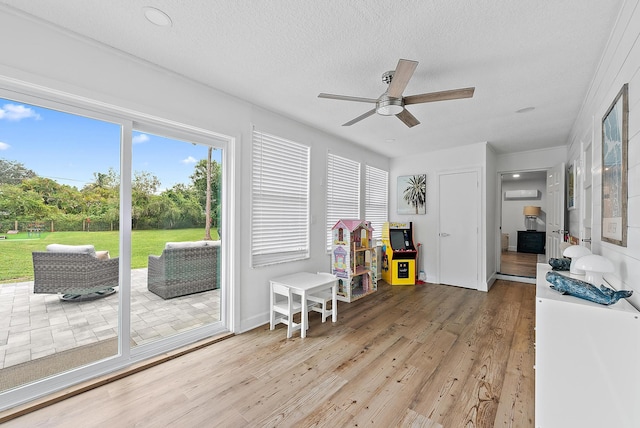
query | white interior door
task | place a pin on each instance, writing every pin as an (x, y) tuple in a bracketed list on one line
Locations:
[(555, 210), (458, 237)]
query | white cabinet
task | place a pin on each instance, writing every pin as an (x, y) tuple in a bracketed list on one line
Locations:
[(587, 361)]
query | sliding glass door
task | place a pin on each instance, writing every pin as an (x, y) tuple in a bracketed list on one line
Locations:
[(176, 247), (110, 248), (59, 240)]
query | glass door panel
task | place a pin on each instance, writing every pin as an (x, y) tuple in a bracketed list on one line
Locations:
[(176, 248), (59, 242)]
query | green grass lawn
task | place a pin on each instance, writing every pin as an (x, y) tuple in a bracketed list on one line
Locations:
[(15, 251)]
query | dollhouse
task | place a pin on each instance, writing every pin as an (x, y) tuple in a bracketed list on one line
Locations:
[(354, 259)]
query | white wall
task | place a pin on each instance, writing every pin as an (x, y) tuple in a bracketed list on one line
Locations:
[(532, 160), (491, 226), (620, 64), (426, 226), (40, 55), (512, 217)]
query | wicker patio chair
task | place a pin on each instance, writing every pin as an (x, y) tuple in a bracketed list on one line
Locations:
[(189, 268), (76, 275)]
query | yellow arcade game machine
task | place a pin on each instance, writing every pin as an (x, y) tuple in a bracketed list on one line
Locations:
[(399, 255)]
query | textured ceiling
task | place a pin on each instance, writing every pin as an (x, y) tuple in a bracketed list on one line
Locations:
[(281, 54)]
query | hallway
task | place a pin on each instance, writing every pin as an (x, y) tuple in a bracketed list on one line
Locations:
[(520, 264)]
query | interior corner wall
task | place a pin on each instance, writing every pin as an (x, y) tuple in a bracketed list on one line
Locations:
[(492, 222), (620, 64), (425, 225)]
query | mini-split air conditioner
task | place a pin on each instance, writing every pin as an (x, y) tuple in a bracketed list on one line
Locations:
[(522, 194)]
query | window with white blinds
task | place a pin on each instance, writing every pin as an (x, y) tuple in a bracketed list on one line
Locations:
[(343, 191), (376, 207), (279, 200)]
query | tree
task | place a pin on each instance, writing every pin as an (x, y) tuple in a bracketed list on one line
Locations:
[(144, 186), (101, 198), (416, 191), (207, 210), (199, 179), (52, 192), (110, 180), (20, 203), (13, 172), (185, 198)]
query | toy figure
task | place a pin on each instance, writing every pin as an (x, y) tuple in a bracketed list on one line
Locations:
[(584, 290)]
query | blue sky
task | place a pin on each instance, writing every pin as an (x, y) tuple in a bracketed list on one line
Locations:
[(70, 148)]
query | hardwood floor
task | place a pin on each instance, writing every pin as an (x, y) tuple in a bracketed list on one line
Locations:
[(421, 356), (520, 264)]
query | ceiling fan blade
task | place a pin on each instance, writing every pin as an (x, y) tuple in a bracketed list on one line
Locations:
[(408, 119), (359, 118), (452, 94), (401, 77), (347, 98)]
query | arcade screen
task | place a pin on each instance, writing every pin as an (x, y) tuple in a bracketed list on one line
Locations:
[(397, 237)]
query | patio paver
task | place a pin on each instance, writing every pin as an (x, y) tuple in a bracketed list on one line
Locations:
[(37, 325)]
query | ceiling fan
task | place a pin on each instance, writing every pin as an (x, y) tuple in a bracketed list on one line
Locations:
[(393, 103)]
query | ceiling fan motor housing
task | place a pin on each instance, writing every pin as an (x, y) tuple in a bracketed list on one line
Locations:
[(388, 106)]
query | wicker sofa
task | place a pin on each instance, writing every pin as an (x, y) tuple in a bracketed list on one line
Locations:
[(76, 272), (184, 268)]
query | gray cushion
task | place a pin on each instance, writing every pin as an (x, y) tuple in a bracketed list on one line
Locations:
[(190, 244), (80, 249)]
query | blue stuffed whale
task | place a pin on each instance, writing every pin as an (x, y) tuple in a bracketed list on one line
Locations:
[(585, 290), (560, 264)]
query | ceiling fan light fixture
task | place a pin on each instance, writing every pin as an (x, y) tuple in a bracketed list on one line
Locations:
[(389, 106)]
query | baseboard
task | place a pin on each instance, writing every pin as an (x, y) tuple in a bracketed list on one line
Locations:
[(254, 322), (491, 281), (516, 278)]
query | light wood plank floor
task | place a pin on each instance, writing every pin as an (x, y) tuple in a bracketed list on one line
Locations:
[(420, 356), (520, 264)]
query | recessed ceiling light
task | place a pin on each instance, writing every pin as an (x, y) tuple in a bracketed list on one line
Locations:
[(156, 16), (525, 110), (516, 175)]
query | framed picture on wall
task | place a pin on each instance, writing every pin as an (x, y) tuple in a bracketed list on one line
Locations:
[(412, 194), (615, 136), (571, 186)]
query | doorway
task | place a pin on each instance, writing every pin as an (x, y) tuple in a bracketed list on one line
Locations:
[(521, 240), (458, 229)]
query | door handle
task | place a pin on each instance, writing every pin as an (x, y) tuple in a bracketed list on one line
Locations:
[(587, 240), (560, 231), (444, 234)]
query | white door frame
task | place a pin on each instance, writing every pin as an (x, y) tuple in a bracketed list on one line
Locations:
[(585, 186), (481, 282), (498, 237), (49, 98)]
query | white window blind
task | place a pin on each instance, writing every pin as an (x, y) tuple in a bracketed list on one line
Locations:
[(376, 207), (343, 191), (279, 200)]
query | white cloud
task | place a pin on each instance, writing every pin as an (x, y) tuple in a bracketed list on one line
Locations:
[(14, 112), (189, 160), (4, 146), (140, 138)]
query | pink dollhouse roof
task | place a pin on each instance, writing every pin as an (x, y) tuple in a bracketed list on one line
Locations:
[(352, 224)]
